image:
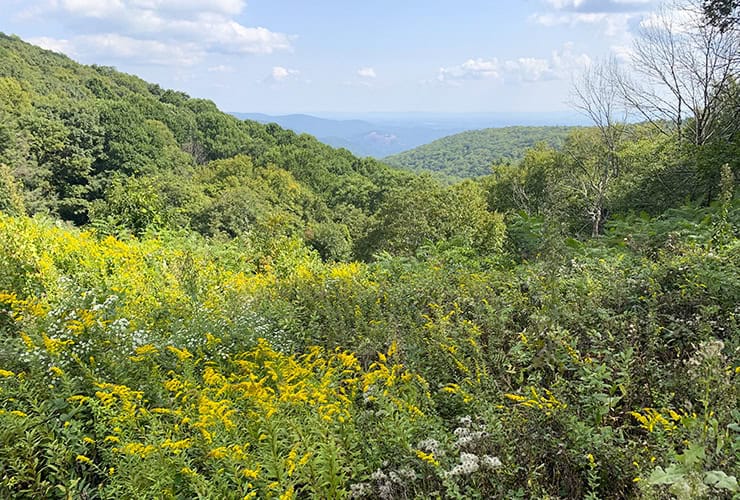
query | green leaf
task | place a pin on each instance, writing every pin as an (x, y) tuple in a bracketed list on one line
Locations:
[(693, 455), (574, 244), (671, 475), (720, 480)]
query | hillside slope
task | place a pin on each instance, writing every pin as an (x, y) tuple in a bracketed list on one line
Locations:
[(94, 146), (471, 154)]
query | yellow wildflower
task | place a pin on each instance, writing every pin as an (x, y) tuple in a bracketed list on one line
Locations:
[(290, 461), (146, 349), (176, 446), (83, 459), (182, 354), (138, 449), (393, 349), (288, 495), (250, 473), (515, 397), (650, 418), (55, 346), (188, 471), (219, 452), (6, 373), (27, 340), (57, 371), (304, 459), (173, 385), (212, 377), (427, 457), (348, 360)]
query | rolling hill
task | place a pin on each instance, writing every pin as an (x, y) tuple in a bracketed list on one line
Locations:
[(471, 154)]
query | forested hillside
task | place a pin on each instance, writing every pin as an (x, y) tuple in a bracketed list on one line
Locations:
[(194, 306), (474, 153)]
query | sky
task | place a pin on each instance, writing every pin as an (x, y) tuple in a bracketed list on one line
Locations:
[(342, 56)]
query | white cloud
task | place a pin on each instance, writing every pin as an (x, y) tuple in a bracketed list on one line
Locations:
[(280, 74), (106, 8), (123, 48), (561, 64), (366, 73), (99, 9), (600, 5), (622, 53), (225, 7), (54, 44), (676, 20), (615, 23), (199, 26), (221, 68), (615, 15)]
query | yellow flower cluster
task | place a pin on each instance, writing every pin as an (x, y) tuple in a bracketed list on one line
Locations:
[(650, 419), (130, 400), (428, 458), (547, 402)]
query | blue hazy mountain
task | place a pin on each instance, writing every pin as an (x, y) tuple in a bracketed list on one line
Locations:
[(363, 138), (384, 134)]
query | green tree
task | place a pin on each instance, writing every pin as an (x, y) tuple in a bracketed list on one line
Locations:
[(725, 14), (11, 200), (131, 205)]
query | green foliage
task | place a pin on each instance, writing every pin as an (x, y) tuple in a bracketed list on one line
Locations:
[(74, 135), (473, 154), (425, 212), (207, 334), (605, 359), (11, 200)]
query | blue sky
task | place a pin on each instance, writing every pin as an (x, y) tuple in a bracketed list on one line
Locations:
[(284, 56)]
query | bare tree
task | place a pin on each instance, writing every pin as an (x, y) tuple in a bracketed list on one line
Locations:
[(687, 65), (597, 94)]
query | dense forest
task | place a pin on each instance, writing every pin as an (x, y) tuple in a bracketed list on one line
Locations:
[(477, 152), (194, 306)]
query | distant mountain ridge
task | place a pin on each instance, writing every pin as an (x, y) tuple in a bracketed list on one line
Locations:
[(472, 153), (362, 138), (381, 135)]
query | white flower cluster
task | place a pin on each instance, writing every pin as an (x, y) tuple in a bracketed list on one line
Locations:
[(360, 490), (106, 304), (469, 463), (706, 358), (385, 486), (432, 446), (467, 437), (490, 463), (471, 437)]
